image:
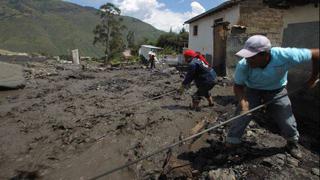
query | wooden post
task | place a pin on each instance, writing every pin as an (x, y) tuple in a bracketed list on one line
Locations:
[(75, 56)]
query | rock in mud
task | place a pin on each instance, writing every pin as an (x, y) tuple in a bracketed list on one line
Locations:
[(292, 162), (268, 162), (11, 76), (25, 175), (222, 174), (315, 171), (280, 159)]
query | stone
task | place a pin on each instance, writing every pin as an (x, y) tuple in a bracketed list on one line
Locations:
[(315, 171), (280, 162), (11, 76), (281, 156), (268, 162), (59, 67), (222, 174), (292, 162), (250, 133)]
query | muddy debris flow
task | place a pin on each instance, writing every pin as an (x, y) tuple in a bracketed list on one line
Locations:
[(76, 122)]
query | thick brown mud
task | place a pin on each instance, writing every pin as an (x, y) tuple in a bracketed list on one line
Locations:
[(76, 122)]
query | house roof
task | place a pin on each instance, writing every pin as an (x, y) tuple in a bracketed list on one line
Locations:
[(214, 10), (271, 3), (285, 4), (150, 46)]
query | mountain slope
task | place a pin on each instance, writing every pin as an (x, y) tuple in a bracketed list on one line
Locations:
[(55, 27)]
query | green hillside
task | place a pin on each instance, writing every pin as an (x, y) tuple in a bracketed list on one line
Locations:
[(55, 27)]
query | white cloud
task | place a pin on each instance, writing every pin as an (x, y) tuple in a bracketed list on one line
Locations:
[(197, 8), (156, 13)]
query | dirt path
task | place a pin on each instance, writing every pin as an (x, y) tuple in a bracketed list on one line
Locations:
[(62, 125)]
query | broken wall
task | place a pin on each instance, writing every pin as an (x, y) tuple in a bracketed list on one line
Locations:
[(255, 18)]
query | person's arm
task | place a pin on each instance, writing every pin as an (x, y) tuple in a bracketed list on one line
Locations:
[(295, 56), (188, 79), (239, 91), (240, 77), (315, 68), (190, 74)]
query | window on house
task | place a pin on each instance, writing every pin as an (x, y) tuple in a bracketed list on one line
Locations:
[(195, 30)]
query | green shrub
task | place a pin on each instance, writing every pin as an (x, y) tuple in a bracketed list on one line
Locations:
[(169, 50)]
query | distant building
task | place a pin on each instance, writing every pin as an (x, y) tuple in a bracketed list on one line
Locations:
[(145, 49)]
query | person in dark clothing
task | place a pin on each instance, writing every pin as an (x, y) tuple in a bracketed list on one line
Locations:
[(152, 59), (202, 74)]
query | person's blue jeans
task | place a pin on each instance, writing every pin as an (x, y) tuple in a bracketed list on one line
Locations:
[(203, 91), (280, 111)]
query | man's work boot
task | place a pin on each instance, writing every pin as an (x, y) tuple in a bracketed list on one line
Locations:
[(210, 101), (195, 105), (293, 149), (231, 146)]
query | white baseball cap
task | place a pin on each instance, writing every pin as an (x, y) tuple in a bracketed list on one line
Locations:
[(254, 45)]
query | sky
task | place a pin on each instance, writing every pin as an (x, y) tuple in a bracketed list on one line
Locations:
[(162, 14)]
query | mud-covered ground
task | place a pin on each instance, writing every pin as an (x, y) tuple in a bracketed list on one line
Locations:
[(73, 122)]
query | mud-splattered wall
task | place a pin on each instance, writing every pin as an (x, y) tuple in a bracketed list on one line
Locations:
[(301, 29)]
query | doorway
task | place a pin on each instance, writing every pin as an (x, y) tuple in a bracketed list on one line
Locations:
[(219, 47)]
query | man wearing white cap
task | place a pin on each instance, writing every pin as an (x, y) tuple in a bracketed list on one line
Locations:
[(262, 76)]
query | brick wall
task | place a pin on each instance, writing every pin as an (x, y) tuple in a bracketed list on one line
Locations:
[(260, 19), (257, 18)]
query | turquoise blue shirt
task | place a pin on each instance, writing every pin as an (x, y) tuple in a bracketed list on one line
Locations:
[(274, 75)]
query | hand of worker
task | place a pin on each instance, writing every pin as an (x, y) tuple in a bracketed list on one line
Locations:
[(244, 112), (244, 106), (312, 82)]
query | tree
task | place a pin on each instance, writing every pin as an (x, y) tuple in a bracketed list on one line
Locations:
[(108, 32), (183, 38), (130, 39), (174, 41), (183, 30)]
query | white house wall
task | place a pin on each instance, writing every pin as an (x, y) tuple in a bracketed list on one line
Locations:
[(203, 42), (299, 14)]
